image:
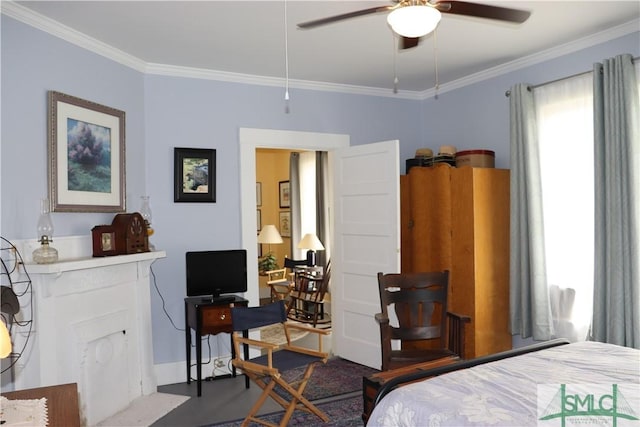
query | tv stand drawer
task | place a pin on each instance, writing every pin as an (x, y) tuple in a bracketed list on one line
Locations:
[(216, 319)]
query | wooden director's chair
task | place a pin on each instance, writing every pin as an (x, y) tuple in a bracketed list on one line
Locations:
[(266, 370)]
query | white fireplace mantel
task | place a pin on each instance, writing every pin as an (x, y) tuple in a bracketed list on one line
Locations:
[(91, 325), (90, 262)]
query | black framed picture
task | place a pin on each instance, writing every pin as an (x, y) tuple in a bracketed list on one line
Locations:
[(194, 175)]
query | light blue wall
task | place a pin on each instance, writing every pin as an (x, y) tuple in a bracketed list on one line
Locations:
[(32, 64), (208, 114), (477, 116), (162, 113), (167, 112)]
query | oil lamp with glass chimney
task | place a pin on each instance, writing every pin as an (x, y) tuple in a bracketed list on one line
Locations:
[(45, 254)]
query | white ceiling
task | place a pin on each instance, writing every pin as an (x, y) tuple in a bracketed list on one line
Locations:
[(248, 37)]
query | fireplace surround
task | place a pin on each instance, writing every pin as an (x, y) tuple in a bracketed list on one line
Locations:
[(91, 326)]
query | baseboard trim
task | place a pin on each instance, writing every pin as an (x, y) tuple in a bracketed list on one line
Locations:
[(174, 373)]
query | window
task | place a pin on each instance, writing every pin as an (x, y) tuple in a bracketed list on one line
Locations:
[(564, 112), (307, 174)]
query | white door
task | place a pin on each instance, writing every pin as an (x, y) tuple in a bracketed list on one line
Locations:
[(366, 185)]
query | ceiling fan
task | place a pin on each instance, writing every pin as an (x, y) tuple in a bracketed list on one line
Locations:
[(412, 19)]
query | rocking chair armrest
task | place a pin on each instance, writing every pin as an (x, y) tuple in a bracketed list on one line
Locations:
[(283, 287), (301, 296), (459, 317), (381, 319), (455, 340), (280, 282)]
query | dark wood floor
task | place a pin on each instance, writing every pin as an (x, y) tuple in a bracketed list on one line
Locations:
[(224, 399)]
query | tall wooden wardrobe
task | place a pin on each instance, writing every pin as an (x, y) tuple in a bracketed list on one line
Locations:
[(457, 219)]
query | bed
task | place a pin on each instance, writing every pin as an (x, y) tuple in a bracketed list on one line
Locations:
[(518, 388)]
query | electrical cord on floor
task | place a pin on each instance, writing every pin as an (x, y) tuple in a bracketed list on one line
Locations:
[(208, 362)]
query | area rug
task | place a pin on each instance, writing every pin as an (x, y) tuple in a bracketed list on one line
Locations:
[(145, 410), (337, 384), (345, 412), (338, 376)]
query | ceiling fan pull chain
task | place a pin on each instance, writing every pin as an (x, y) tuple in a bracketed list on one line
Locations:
[(435, 61), (395, 65), (286, 60)]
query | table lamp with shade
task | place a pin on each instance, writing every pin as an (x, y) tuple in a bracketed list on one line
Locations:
[(269, 235), (311, 242)]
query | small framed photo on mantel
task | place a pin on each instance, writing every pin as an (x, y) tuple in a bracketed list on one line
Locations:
[(194, 175)]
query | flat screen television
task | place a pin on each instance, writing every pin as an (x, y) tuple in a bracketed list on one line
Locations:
[(211, 274)]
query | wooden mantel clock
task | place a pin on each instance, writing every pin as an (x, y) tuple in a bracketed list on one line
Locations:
[(127, 234)]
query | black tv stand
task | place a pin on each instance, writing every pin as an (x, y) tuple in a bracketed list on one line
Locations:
[(209, 315), (222, 298), (217, 300)]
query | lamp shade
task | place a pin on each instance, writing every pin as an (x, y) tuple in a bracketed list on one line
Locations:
[(414, 21), (310, 241), (269, 234)]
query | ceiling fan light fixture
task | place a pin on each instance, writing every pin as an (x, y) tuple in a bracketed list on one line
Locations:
[(414, 21)]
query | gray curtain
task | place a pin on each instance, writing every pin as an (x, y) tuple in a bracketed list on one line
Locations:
[(294, 197), (322, 208), (530, 310), (616, 298)]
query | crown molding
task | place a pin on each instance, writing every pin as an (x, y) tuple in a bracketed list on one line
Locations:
[(206, 74), (70, 35), (59, 30), (55, 28), (536, 58)]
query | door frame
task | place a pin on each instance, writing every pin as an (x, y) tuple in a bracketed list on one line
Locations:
[(249, 140)]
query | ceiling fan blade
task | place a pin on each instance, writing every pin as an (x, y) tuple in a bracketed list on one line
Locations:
[(482, 11), (409, 42), (330, 19)]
